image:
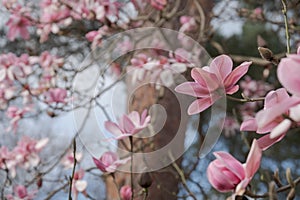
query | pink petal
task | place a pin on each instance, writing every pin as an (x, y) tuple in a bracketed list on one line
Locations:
[(113, 128), (193, 89), (274, 97), (221, 66), (232, 90), (265, 142), (236, 74), (281, 129), (127, 125), (99, 165), (249, 125), (231, 163), (298, 50), (288, 74), (217, 180), (253, 159), (135, 118), (199, 105), (205, 79)]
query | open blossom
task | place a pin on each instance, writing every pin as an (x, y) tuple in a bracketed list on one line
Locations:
[(271, 119), (125, 192), (56, 95), (26, 152), (109, 162), (96, 36), (79, 185), (210, 82), (18, 23), (188, 24), (228, 174), (15, 114), (68, 160), (129, 125), (288, 73), (21, 193)]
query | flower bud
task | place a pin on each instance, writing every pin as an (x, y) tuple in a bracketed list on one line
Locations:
[(145, 180)]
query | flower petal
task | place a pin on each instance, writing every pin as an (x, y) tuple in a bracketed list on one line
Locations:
[(236, 74), (113, 128), (265, 142), (249, 125), (221, 66), (193, 89), (281, 128), (199, 105), (205, 79), (253, 159)]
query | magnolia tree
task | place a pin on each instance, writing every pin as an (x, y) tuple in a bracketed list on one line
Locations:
[(183, 110)]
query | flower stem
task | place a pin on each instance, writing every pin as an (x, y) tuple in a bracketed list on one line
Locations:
[(73, 171), (131, 165), (287, 35)]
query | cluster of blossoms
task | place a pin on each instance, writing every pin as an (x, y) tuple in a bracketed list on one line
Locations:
[(281, 112), (56, 15), (20, 192), (24, 155), (158, 71)]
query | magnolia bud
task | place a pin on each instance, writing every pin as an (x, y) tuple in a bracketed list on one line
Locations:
[(145, 180), (266, 53)]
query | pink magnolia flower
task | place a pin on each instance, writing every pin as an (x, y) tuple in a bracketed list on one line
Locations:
[(26, 152), (15, 114), (288, 73), (56, 95), (21, 193), (125, 192), (68, 160), (210, 82), (228, 174), (96, 36), (7, 161), (129, 125), (188, 24), (79, 185), (18, 23), (109, 162), (271, 119), (158, 4)]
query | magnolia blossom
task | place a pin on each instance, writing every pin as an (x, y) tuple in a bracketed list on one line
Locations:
[(109, 162), (129, 125), (188, 24), (228, 174), (159, 4), (288, 73), (68, 160), (15, 114), (159, 71), (21, 193), (26, 152), (56, 95), (211, 81), (125, 192), (18, 23), (271, 119), (96, 36), (79, 185)]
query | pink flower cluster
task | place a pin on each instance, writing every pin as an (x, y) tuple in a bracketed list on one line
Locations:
[(157, 71), (24, 155), (21, 193), (213, 82)]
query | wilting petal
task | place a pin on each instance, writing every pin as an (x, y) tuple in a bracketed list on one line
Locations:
[(231, 163), (281, 129), (288, 74), (236, 74), (199, 105), (253, 159), (249, 125), (221, 66), (193, 89)]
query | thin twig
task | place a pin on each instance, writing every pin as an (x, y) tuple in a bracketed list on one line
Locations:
[(287, 34), (74, 167)]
